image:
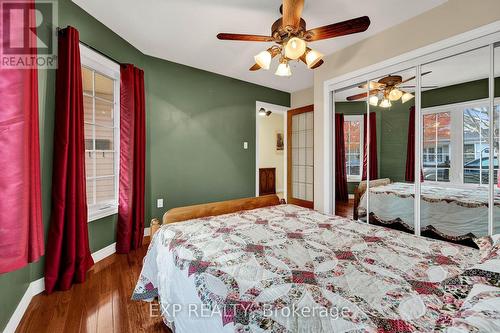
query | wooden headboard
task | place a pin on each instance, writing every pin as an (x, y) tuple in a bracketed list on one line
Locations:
[(218, 208)]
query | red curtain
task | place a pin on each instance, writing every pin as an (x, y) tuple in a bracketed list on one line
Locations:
[(130, 230), (68, 255), (340, 164), (372, 144), (410, 150), (21, 231)]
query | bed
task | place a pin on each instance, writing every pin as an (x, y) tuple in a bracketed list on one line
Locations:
[(450, 213), (284, 268)]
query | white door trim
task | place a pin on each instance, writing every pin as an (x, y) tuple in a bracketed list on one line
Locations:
[(280, 110)]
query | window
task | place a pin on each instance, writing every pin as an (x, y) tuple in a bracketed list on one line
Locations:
[(476, 145), (101, 82), (456, 143), (353, 129), (436, 146)]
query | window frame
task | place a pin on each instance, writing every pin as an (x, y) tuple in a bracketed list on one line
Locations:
[(351, 118), (104, 66), (456, 111)]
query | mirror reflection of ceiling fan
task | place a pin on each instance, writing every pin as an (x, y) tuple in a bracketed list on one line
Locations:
[(291, 37), (386, 90)]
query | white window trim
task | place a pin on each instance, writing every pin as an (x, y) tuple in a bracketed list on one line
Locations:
[(109, 68), (355, 178), (457, 135)]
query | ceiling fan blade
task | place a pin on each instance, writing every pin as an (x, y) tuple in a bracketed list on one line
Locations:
[(319, 63), (292, 11), (246, 38), (413, 87), (255, 67), (362, 95), (348, 27), (413, 77), (373, 85)]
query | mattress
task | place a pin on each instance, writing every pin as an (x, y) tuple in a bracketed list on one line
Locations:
[(290, 269)]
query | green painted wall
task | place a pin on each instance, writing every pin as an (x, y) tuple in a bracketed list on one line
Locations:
[(196, 124)]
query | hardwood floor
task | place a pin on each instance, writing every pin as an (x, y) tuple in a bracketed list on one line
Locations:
[(101, 304), (345, 209)]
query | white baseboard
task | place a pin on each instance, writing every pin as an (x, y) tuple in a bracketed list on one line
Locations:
[(103, 253), (38, 286)]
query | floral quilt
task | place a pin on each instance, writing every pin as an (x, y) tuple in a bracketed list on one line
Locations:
[(290, 269)]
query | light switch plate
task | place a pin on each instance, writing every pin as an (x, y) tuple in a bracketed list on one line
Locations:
[(159, 203), (245, 145)]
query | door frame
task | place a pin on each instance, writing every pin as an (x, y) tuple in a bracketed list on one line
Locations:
[(279, 109), (289, 199)]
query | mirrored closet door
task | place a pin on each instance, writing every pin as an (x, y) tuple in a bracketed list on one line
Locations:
[(496, 140), (349, 120), (420, 150), (390, 146)]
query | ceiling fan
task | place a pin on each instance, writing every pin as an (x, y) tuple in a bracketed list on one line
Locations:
[(291, 37), (388, 89)]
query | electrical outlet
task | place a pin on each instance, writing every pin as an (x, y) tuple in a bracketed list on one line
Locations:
[(159, 203), (245, 145)]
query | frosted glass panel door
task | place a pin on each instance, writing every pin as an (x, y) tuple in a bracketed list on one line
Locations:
[(300, 156)]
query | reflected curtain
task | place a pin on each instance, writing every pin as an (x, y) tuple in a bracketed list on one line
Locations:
[(21, 232), (68, 255), (372, 144), (130, 229), (340, 163), (410, 150)]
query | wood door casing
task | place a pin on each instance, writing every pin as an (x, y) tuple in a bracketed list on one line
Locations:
[(290, 195)]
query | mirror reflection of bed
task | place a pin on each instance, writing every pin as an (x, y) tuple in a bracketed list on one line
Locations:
[(377, 148)]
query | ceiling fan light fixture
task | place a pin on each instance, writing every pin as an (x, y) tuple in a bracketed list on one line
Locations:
[(263, 59), (406, 97), (262, 112), (313, 57), (373, 100), (283, 69), (295, 48), (395, 94), (386, 103)]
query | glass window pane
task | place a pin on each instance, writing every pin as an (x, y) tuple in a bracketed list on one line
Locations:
[(104, 87), (105, 163), (105, 190), (88, 109), (87, 81), (89, 164), (104, 137), (90, 192), (89, 135), (104, 113)]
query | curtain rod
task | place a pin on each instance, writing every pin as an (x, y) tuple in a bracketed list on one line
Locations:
[(58, 29)]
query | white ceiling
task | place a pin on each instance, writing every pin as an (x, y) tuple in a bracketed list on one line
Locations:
[(184, 31)]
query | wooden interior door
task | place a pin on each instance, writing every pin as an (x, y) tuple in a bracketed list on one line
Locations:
[(267, 181), (300, 156)]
